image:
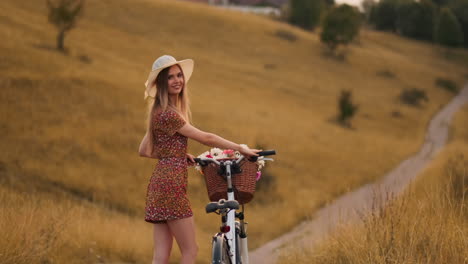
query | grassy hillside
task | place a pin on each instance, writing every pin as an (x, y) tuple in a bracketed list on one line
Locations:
[(426, 225), (71, 124)]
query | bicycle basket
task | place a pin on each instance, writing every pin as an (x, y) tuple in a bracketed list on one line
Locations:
[(243, 183)]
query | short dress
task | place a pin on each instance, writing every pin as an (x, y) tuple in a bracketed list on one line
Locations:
[(166, 197)]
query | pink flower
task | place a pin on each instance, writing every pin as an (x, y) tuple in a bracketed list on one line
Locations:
[(259, 175), (228, 151)]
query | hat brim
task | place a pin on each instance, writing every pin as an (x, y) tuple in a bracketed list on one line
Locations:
[(187, 69)]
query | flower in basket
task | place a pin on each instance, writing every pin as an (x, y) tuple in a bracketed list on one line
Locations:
[(219, 154)]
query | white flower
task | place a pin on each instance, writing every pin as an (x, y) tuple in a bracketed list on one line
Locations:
[(261, 164), (204, 154), (216, 153)]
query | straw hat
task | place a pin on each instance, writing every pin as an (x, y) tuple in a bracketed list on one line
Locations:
[(160, 64)]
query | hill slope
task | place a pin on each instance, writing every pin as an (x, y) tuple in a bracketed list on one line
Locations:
[(71, 124), (435, 201)]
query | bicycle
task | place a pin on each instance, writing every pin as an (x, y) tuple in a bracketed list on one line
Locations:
[(229, 246)]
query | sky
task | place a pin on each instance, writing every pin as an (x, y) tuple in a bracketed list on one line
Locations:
[(351, 2)]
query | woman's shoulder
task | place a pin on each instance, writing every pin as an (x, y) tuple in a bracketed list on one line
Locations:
[(167, 114)]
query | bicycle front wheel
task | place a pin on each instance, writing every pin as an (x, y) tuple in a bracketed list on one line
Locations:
[(220, 250)]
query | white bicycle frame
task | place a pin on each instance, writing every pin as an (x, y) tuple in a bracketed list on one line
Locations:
[(231, 217)]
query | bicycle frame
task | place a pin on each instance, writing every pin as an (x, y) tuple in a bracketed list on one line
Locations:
[(236, 229), (231, 222), (236, 237)]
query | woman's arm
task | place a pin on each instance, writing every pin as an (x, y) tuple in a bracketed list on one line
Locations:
[(213, 140), (144, 150)]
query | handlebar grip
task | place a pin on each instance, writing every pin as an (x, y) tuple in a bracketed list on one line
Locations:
[(200, 161), (267, 153), (263, 153)]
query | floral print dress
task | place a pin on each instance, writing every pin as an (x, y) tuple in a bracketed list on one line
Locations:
[(166, 197)]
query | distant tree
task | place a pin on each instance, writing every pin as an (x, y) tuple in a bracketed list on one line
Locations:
[(346, 108), (305, 13), (384, 15), (448, 31), (329, 3), (442, 2), (63, 14), (417, 19), (340, 26), (460, 10), (367, 6)]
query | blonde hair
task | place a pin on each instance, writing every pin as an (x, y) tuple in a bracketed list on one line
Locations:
[(161, 102)]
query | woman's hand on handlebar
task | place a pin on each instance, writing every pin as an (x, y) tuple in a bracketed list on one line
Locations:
[(190, 159), (247, 152)]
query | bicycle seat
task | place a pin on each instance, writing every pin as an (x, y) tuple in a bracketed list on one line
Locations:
[(221, 204)]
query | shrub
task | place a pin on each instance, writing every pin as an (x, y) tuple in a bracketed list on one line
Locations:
[(397, 114), (413, 96), (346, 108), (448, 31), (286, 35), (447, 84), (386, 74), (341, 25)]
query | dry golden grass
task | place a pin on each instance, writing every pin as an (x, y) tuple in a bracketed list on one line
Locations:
[(70, 129), (41, 228), (428, 224)]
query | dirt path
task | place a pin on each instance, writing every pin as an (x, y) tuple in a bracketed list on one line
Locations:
[(350, 205)]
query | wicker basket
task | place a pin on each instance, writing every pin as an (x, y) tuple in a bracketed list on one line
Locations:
[(243, 183)]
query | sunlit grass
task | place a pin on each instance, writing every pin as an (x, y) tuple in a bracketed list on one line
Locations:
[(426, 225)]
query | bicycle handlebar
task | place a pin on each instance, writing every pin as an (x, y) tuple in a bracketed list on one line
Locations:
[(205, 161), (263, 153)]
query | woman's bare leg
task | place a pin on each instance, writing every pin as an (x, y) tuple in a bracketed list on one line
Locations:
[(184, 233), (162, 237)]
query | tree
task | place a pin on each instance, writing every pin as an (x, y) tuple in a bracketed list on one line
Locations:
[(329, 3), (346, 108), (305, 13), (460, 10), (340, 26), (448, 31), (417, 19), (63, 14), (367, 6), (442, 2), (384, 15)]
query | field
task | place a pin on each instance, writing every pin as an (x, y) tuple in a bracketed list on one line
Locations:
[(72, 185), (426, 225)]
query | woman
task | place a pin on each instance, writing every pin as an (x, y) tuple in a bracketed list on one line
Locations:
[(167, 205)]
